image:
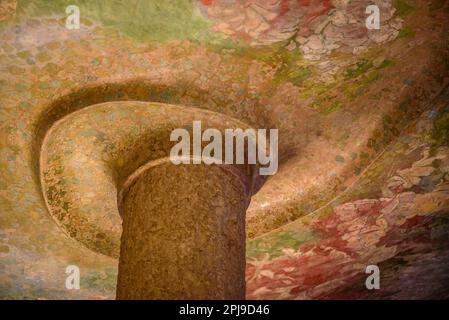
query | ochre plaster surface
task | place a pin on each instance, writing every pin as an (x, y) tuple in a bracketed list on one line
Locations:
[(363, 149)]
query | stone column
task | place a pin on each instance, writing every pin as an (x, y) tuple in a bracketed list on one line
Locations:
[(184, 233)]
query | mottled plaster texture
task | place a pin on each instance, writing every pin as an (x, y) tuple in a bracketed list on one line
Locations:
[(197, 235), (363, 149)]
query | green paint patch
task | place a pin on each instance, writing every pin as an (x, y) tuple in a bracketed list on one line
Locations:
[(24, 54), (96, 62), (15, 70), (371, 77), (66, 206), (273, 245), (169, 96), (403, 8), (331, 108), (386, 63), (360, 68), (297, 75), (406, 33), (357, 170), (440, 131), (290, 64), (43, 57), (237, 48), (290, 67), (43, 86), (355, 88), (352, 90), (104, 281), (139, 19), (313, 90)]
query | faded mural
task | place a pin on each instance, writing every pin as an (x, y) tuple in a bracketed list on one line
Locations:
[(363, 120)]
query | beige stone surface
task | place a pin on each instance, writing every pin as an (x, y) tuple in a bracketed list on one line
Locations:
[(7, 9), (184, 234)]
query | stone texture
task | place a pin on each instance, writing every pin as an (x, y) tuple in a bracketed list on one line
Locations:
[(333, 249), (183, 234), (7, 9), (331, 137), (86, 206), (338, 24)]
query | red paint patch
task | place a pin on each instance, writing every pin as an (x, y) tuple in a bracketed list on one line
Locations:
[(206, 2)]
